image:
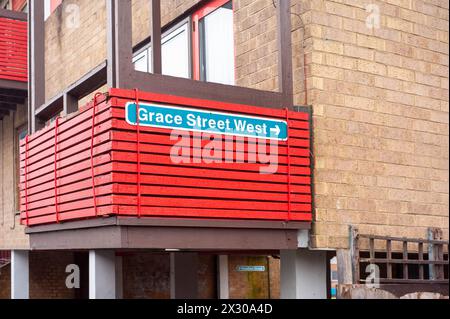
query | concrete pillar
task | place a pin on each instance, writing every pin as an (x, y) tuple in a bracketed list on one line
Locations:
[(303, 274), (102, 274), (222, 277), (119, 277), (183, 275), (20, 276)]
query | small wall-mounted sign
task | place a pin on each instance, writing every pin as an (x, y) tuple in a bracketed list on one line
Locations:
[(251, 268), (177, 118)]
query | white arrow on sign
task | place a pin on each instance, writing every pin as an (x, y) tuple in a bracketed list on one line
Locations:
[(276, 130)]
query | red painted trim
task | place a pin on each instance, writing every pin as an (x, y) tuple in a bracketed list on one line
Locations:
[(17, 5), (54, 4), (288, 168), (56, 170), (138, 151), (208, 8)]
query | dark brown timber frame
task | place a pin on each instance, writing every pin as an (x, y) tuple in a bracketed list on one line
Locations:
[(121, 74), (117, 71)]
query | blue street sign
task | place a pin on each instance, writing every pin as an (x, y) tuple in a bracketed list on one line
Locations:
[(251, 268), (186, 119)]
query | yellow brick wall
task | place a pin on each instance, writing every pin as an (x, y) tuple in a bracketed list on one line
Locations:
[(72, 50), (12, 234), (380, 100)]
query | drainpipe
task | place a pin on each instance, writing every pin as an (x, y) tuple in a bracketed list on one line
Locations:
[(1, 158)]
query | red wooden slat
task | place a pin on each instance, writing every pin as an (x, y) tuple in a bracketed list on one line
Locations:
[(195, 190)]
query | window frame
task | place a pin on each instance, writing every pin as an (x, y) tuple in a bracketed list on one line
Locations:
[(198, 15), (171, 29)]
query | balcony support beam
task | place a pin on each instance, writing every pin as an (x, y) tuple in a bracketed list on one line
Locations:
[(20, 274), (36, 62), (286, 84)]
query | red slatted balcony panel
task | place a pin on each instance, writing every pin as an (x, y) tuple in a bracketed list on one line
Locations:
[(134, 174), (13, 50)]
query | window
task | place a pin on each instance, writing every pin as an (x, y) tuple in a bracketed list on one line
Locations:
[(141, 61), (214, 39), (175, 51), (211, 55), (50, 6)]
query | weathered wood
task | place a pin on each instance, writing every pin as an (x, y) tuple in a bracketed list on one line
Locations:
[(389, 257), (405, 258), (354, 250), (344, 267), (421, 273), (436, 253)]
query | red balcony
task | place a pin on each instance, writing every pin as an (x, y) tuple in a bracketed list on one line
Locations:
[(13, 49), (95, 164), (13, 60)]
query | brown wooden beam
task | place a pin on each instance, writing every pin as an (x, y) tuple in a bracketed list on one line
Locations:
[(119, 43), (36, 62), (158, 83), (155, 36), (286, 85), (13, 85)]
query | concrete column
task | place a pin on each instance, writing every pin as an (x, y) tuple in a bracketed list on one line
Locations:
[(102, 274), (222, 277), (183, 275), (303, 274), (119, 277), (20, 276)]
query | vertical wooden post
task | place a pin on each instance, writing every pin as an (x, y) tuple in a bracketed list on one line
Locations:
[(421, 273), (389, 257), (405, 259), (354, 250), (120, 51), (285, 81), (436, 272), (70, 103), (36, 62), (155, 36)]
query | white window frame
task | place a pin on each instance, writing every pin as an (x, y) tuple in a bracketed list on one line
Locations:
[(170, 33)]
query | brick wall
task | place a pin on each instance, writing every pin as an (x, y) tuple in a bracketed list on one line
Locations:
[(11, 232), (254, 285), (75, 42), (5, 282), (47, 276), (73, 49), (380, 101), (147, 276)]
